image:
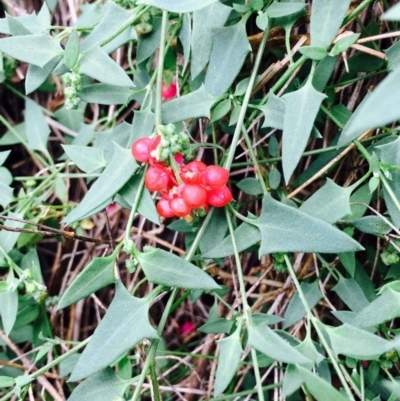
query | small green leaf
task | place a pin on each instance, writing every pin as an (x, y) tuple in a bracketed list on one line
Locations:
[(295, 310), (36, 76), (8, 309), (301, 108), (218, 326), (349, 291), (262, 21), (205, 22), (292, 380), (185, 37), (102, 386), (286, 229), (371, 225), (326, 19), (125, 323), (33, 49), (316, 53), (96, 64), (330, 203), (356, 343), (274, 111), (6, 381), (87, 158), (343, 44), (230, 352), (105, 94), (284, 9), (393, 14), (263, 339), (221, 110), (194, 105), (113, 178), (72, 47), (96, 275), (178, 6), (275, 178), (9, 238), (167, 269), (215, 230), (230, 48), (250, 186), (246, 235)]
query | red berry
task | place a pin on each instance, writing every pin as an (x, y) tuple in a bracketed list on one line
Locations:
[(157, 178), (164, 209), (168, 92), (192, 173), (179, 207), (219, 197), (194, 195), (187, 328), (215, 176), (140, 149)]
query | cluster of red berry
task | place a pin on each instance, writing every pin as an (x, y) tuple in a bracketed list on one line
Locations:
[(194, 187)]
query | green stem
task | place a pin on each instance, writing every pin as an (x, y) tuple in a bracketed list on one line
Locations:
[(160, 68), (287, 43), (243, 109), (246, 307), (315, 323), (357, 11)]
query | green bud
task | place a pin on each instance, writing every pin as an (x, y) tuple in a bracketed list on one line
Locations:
[(164, 154), (67, 78), (389, 258), (30, 183), (70, 92), (144, 28), (30, 288), (131, 265)]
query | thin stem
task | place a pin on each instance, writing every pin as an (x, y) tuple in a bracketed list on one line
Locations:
[(357, 11), (243, 109), (315, 323), (246, 307)]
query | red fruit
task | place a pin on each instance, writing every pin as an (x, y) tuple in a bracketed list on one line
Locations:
[(219, 197), (187, 328), (194, 195), (164, 209), (215, 176), (192, 173), (157, 178), (168, 92), (140, 149), (179, 207)]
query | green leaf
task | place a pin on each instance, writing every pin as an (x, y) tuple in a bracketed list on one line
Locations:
[(351, 294), (356, 343), (348, 260), (185, 37), (33, 49), (205, 22), (178, 6), (167, 269), (87, 158), (146, 205), (292, 380), (316, 53), (221, 110), (295, 310), (125, 323), (217, 326), (103, 386), (6, 381), (8, 309), (274, 112), (113, 178), (265, 318), (330, 203), (9, 238), (318, 387), (246, 235), (278, 10), (393, 14), (344, 43), (301, 108), (230, 352), (194, 105), (6, 195), (389, 153), (384, 308), (371, 225), (393, 56), (72, 47), (96, 275), (215, 230), (96, 64), (36, 128), (262, 21), (285, 229), (275, 178), (230, 48), (263, 339), (15, 27), (326, 19), (105, 94), (36, 76), (375, 110), (250, 186), (3, 156)]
